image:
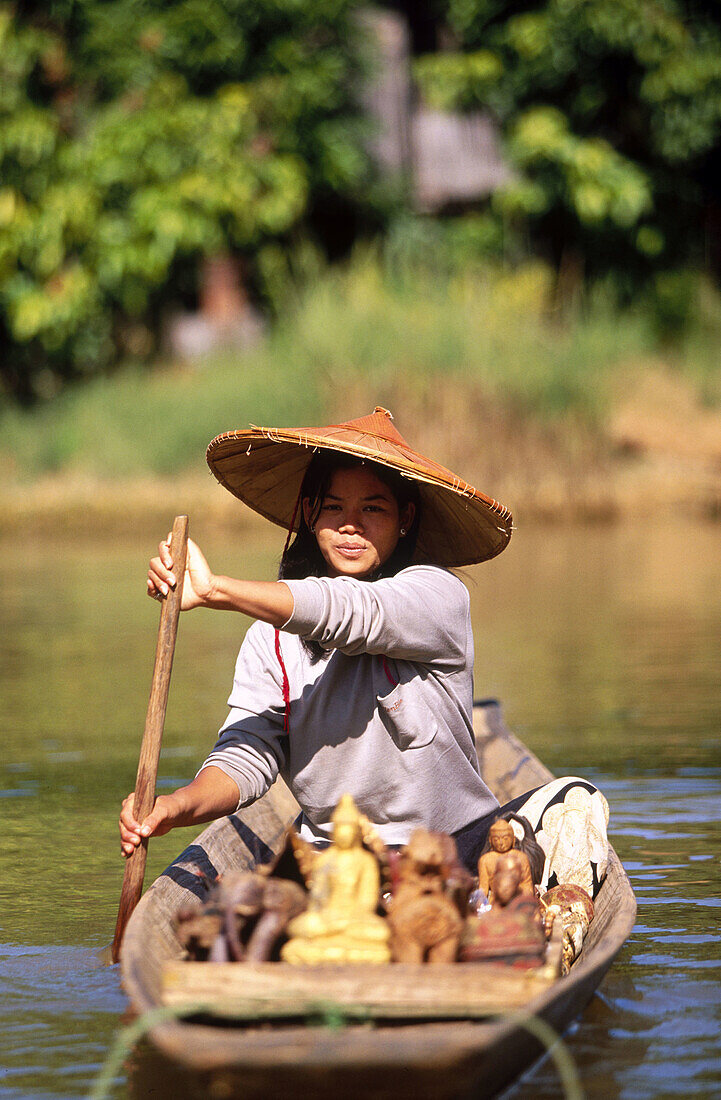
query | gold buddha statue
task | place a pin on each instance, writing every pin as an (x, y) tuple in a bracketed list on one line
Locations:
[(340, 924)]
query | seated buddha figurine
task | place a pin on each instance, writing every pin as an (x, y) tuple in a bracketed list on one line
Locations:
[(340, 924), (502, 839), (511, 931)]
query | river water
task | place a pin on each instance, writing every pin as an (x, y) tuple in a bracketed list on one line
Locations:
[(601, 642)]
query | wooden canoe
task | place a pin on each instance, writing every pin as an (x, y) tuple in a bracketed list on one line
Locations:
[(392, 1058)]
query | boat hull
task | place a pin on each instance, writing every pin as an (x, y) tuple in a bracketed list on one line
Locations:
[(433, 1059)]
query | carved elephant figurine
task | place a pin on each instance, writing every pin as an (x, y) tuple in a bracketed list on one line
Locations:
[(243, 918), (259, 903)]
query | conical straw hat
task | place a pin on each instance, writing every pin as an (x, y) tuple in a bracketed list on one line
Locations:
[(264, 467)]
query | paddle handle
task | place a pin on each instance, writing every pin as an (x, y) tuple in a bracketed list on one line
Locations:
[(153, 735)]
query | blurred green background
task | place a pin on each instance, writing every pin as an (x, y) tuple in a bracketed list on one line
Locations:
[(221, 211)]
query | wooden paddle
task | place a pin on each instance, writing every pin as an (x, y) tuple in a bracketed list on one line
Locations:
[(153, 735)]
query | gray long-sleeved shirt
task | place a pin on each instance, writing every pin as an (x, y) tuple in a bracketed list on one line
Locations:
[(404, 752)]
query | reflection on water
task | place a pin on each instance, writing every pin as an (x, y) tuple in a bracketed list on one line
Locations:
[(603, 645)]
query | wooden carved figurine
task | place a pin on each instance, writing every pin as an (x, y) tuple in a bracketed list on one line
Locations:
[(573, 907), (507, 892), (425, 922), (502, 839), (243, 918), (529, 846), (511, 932), (198, 930), (258, 910), (505, 885), (341, 924)]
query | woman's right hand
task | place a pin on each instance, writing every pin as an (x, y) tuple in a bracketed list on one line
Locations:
[(198, 583), (211, 794), (161, 819)]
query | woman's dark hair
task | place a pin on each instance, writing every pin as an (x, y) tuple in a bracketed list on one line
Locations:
[(302, 558)]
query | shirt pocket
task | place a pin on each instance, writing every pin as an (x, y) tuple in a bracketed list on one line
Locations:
[(410, 722)]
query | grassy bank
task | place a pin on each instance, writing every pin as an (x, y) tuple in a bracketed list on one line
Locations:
[(545, 414)]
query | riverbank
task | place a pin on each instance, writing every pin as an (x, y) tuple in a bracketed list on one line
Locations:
[(659, 452), (582, 417)]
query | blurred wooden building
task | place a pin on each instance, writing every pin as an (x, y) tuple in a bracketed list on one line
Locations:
[(446, 158)]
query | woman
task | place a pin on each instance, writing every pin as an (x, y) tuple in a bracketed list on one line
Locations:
[(357, 674)]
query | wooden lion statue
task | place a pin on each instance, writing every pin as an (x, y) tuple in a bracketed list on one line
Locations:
[(426, 924)]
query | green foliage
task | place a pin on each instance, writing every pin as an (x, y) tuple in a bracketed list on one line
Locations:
[(441, 247), (587, 175), (135, 423), (612, 114), (137, 136), (459, 81)]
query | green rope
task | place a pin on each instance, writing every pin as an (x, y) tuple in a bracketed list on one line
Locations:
[(329, 1015), (555, 1046), (126, 1039)]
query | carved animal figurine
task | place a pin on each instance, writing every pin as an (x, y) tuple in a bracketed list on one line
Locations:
[(243, 919), (573, 907), (502, 839), (198, 930), (341, 924), (425, 921), (257, 911)]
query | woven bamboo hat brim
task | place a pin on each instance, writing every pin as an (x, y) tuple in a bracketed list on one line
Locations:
[(264, 467)]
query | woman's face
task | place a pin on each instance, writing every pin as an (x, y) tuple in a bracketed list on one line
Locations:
[(359, 523)]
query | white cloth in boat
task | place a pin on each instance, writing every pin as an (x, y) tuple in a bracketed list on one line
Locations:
[(569, 817), (405, 752)]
